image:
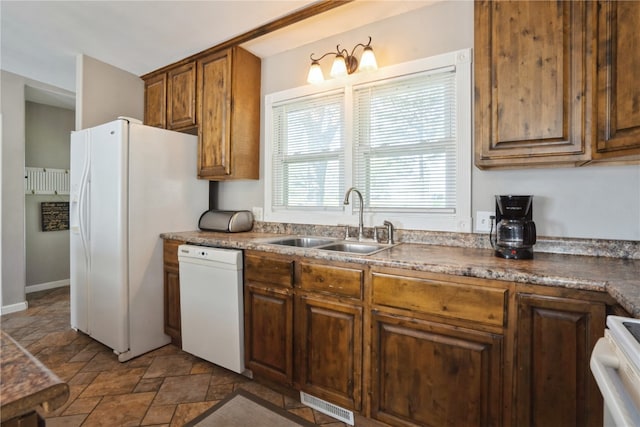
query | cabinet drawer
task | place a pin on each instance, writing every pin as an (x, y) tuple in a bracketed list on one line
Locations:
[(170, 252), (268, 270), (338, 280), (459, 301)]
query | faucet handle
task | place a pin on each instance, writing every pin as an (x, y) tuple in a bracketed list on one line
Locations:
[(346, 231), (390, 230), (375, 233)]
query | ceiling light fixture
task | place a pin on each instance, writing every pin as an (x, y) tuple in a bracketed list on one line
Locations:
[(344, 63)]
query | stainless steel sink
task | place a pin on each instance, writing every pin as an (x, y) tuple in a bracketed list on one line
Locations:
[(355, 247), (329, 244), (302, 242)]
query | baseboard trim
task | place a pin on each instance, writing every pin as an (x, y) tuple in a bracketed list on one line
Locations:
[(13, 308), (48, 285)]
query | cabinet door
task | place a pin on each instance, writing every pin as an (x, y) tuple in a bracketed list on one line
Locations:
[(531, 73), (329, 344), (430, 374), (155, 101), (554, 386), (172, 323), (214, 87), (269, 333), (181, 99), (229, 115), (618, 94)]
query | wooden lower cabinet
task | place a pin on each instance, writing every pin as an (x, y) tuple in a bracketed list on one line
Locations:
[(329, 346), (171, 274), (554, 385), (430, 374), (172, 324), (303, 325), (269, 333), (411, 348), (268, 316)]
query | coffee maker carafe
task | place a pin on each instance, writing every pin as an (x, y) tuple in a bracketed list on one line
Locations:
[(515, 229)]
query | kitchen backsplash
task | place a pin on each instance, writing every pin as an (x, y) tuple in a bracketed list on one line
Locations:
[(628, 249)]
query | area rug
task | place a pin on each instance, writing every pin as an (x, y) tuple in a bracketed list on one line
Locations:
[(243, 409)]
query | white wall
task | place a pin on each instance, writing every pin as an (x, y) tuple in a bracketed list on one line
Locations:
[(105, 92), (13, 267), (589, 202), (0, 205), (600, 202)]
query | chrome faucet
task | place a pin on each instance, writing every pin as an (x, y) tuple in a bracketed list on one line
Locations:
[(360, 217)]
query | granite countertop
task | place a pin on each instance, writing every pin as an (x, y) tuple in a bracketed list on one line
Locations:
[(619, 277), (26, 383)]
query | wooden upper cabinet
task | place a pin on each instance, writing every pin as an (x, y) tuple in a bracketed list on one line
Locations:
[(155, 101), (170, 98), (531, 76), (216, 95), (181, 99), (618, 85), (229, 115)]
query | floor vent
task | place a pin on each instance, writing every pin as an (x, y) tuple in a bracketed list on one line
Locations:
[(327, 408)]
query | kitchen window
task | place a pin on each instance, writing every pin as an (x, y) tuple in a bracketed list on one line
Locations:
[(400, 135), (308, 152)]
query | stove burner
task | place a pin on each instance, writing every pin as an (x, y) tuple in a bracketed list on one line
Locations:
[(634, 328)]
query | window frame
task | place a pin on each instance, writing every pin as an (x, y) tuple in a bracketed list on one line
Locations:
[(459, 221)]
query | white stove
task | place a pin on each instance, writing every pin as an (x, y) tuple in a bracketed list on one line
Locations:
[(615, 364)]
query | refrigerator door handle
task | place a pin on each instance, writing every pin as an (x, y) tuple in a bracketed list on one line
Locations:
[(82, 206)]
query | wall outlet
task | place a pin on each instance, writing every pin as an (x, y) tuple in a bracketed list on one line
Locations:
[(483, 221), (257, 213)]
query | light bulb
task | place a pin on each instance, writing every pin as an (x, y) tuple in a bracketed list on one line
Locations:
[(315, 75), (339, 67), (368, 61)]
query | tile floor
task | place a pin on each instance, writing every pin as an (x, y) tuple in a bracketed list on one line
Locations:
[(166, 387)]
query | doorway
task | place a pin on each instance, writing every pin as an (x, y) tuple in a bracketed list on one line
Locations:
[(49, 120)]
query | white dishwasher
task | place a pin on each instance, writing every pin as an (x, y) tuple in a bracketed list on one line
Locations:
[(211, 305)]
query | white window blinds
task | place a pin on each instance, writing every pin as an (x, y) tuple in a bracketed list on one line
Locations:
[(308, 153), (405, 143)]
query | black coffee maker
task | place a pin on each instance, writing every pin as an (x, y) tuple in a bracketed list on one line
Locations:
[(515, 229)]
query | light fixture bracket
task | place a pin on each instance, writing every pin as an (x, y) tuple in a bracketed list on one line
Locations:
[(351, 63)]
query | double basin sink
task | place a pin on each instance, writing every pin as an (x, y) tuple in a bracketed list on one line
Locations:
[(328, 244)]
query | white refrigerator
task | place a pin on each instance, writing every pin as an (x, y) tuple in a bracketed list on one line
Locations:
[(129, 183)]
